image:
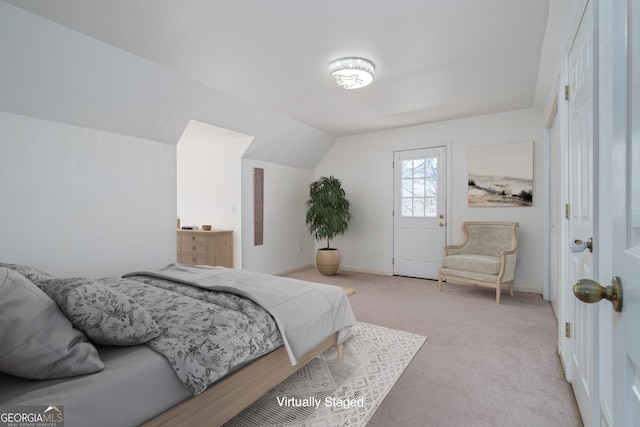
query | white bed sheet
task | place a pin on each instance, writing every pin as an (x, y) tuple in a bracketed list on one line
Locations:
[(136, 385)]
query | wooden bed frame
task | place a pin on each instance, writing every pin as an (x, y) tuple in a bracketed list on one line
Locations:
[(233, 393), (229, 396)]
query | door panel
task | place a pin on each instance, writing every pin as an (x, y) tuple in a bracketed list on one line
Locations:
[(419, 212), (584, 317), (554, 216), (626, 218)]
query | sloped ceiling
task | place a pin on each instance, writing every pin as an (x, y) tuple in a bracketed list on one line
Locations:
[(435, 60), (53, 73)]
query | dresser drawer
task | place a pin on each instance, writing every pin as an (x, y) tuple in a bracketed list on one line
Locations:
[(193, 247), (193, 259), (191, 237)]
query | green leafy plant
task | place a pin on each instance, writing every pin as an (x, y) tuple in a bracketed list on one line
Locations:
[(327, 209)]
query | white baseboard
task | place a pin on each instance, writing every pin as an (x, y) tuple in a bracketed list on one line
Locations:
[(605, 418), (561, 355), (365, 270), (539, 291), (343, 268), (530, 290)]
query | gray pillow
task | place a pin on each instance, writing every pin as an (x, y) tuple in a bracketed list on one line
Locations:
[(105, 315), (38, 341)]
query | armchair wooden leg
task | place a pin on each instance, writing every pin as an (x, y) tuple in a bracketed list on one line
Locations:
[(440, 282), (498, 293)]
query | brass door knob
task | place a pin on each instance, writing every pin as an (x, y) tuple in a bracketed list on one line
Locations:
[(590, 291), (441, 224)]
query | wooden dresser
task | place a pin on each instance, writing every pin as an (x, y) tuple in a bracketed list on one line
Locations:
[(205, 247)]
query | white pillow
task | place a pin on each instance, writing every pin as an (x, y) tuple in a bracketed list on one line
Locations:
[(38, 341)]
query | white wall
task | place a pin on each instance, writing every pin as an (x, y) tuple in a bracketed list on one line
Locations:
[(83, 202), (78, 91), (53, 73), (209, 180), (364, 164), (287, 243)]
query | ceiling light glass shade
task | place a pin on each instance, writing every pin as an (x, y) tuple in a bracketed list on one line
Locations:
[(352, 73)]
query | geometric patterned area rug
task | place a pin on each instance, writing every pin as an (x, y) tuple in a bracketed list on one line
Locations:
[(328, 393)]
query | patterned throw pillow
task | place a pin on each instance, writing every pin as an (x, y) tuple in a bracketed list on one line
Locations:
[(105, 315)]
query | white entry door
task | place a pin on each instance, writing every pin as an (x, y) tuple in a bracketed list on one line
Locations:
[(583, 317), (419, 214), (626, 213)]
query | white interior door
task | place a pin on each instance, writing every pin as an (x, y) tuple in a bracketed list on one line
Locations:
[(584, 317), (554, 216), (626, 216), (419, 214)]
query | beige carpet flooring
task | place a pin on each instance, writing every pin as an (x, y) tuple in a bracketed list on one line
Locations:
[(485, 364)]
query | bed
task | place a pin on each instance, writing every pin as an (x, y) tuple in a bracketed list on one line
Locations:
[(190, 345)]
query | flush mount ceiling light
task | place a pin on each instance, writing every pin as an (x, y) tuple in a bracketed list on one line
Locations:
[(352, 73)]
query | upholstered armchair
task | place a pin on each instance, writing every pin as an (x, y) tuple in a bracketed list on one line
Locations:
[(486, 258)]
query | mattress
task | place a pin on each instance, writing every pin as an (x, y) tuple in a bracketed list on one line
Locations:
[(136, 385)]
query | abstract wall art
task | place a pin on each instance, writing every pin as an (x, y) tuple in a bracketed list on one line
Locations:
[(501, 175)]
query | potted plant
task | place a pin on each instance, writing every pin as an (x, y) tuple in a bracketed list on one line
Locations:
[(327, 217)]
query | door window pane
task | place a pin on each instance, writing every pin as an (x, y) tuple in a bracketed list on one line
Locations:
[(431, 187), (431, 206), (420, 187), (407, 206), (418, 168), (407, 168), (407, 189)]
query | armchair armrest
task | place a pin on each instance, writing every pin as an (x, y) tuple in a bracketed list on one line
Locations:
[(508, 261), (453, 250)]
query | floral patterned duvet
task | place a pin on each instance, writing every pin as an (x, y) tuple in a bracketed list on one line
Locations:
[(204, 335)]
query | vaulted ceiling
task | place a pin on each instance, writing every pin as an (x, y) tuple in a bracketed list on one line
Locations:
[(435, 60)]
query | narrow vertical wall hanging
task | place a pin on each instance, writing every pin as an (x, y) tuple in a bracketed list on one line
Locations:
[(258, 206)]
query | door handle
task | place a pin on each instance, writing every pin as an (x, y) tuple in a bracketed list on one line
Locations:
[(441, 224), (590, 291), (578, 245)]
